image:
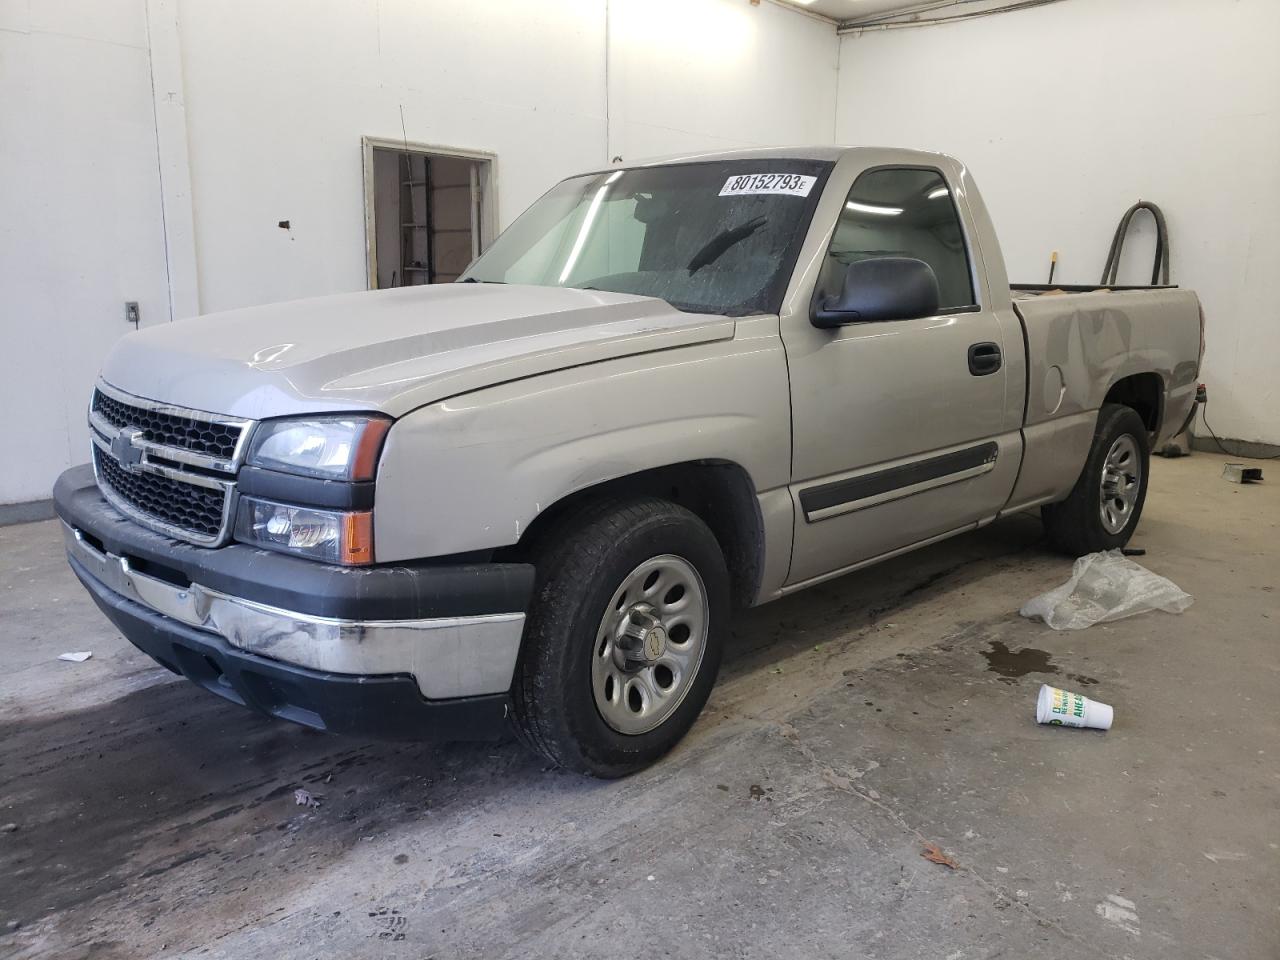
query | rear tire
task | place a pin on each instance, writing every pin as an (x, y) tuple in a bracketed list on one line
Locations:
[(624, 636), (1105, 505)]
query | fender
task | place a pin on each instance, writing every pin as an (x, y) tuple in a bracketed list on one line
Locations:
[(471, 472)]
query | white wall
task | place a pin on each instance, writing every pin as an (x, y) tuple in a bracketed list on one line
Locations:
[(700, 75), (1066, 113), (261, 108), (279, 95), (80, 219), (1069, 113)]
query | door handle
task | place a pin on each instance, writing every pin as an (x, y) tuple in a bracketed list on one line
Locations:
[(984, 359)]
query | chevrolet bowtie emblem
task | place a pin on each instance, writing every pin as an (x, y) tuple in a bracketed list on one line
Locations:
[(125, 449)]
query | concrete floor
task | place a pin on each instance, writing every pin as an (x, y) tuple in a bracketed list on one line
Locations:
[(852, 725)]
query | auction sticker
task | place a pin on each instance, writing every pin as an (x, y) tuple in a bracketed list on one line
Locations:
[(797, 185)]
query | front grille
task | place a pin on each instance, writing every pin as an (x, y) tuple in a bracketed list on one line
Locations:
[(167, 467), (170, 502), (169, 428)]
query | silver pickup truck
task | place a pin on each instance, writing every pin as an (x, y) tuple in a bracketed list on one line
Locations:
[(534, 496)]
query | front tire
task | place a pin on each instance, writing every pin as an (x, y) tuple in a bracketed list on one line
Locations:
[(624, 636), (1106, 503)]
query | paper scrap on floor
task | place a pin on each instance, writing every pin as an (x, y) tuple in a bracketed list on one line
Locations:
[(78, 657), (1103, 587)]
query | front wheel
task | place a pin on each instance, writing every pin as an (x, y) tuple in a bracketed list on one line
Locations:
[(624, 636), (1104, 506)]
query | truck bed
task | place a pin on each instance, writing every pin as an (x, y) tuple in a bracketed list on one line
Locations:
[(1083, 340)]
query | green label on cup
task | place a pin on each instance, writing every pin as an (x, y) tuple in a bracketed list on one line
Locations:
[(1066, 704)]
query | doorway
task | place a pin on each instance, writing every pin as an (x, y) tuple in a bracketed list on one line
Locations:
[(428, 211)]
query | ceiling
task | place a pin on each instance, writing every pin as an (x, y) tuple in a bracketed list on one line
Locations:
[(841, 10)]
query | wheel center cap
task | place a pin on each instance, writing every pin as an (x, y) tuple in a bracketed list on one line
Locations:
[(655, 643), (641, 641)]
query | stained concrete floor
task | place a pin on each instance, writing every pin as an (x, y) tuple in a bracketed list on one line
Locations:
[(852, 725)]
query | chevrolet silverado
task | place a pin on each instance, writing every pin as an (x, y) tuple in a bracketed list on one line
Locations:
[(533, 497)]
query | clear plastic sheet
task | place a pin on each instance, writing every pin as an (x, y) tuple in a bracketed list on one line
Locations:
[(1103, 587)]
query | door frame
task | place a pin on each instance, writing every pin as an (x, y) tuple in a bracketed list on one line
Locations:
[(880, 483), (484, 221)]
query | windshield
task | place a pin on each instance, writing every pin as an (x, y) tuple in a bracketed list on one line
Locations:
[(719, 237)]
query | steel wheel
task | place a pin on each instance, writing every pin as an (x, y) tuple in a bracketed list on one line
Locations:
[(1121, 481), (650, 644)]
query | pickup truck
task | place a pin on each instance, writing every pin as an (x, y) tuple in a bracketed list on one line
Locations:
[(533, 497)]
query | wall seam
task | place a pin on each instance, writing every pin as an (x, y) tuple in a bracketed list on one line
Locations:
[(164, 202), (608, 145), (835, 99), (169, 117)]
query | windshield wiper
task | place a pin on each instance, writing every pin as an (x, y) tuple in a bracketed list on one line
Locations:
[(714, 248), (474, 280)]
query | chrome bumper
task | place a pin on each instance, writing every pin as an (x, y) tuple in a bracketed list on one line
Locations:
[(447, 657)]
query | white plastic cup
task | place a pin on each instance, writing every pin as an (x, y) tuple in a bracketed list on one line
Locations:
[(1062, 708)]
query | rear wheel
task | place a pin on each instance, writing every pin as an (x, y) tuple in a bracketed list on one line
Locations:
[(623, 640), (1103, 508)]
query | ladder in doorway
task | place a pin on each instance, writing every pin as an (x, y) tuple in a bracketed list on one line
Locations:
[(415, 220)]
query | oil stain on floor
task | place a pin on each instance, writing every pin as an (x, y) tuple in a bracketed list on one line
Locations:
[(1012, 665)]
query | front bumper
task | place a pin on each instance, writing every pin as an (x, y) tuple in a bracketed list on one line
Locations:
[(379, 651)]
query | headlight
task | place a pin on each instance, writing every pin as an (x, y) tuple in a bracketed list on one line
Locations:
[(333, 448), (332, 536)]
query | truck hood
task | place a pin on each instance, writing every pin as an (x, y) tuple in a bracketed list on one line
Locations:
[(391, 350)]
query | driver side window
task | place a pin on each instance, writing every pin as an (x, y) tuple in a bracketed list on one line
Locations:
[(902, 212)]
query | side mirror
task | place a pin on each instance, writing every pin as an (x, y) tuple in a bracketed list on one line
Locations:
[(882, 288)]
